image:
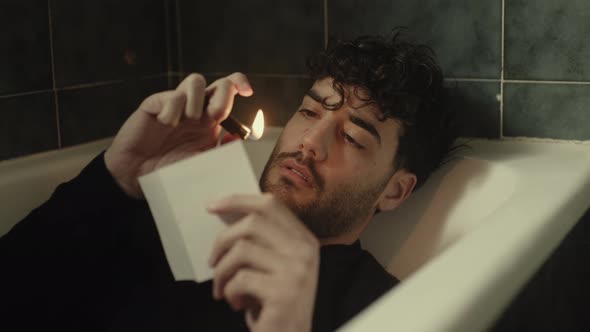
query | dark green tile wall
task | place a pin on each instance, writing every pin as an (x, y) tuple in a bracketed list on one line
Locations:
[(546, 69), (25, 60), (545, 57), (255, 36), (547, 40), (96, 41), (28, 124), (476, 106), (71, 71), (59, 46), (465, 34), (547, 110), (97, 112)]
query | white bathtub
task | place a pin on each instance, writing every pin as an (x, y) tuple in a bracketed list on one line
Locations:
[(463, 245)]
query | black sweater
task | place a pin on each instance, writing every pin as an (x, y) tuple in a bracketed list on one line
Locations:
[(90, 259)]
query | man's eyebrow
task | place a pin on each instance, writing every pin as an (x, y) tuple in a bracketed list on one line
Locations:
[(314, 95), (365, 125)]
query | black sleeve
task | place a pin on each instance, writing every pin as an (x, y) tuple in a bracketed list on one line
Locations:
[(87, 243)]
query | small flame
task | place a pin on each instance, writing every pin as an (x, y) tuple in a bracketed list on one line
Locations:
[(258, 125)]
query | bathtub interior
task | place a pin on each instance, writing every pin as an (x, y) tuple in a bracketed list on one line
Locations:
[(457, 198)]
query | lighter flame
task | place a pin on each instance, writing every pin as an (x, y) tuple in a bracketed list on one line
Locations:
[(258, 125)]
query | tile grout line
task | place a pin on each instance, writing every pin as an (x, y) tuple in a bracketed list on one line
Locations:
[(54, 88), (517, 81), (112, 82), (167, 30), (89, 85), (502, 81), (179, 38), (494, 80), (325, 24), (20, 94), (548, 82)]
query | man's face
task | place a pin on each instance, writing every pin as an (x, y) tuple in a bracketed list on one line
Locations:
[(331, 166)]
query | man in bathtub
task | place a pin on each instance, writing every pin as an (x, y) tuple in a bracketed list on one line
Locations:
[(368, 132)]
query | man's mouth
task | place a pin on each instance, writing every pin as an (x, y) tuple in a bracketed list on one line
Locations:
[(294, 170), (298, 173)]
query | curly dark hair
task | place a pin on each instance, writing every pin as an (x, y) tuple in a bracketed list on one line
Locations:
[(406, 84)]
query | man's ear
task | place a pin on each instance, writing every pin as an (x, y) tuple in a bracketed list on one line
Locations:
[(399, 187)]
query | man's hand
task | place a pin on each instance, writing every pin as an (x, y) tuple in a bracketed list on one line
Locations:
[(266, 263), (172, 125)]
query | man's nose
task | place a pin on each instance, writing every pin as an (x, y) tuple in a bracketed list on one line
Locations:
[(316, 141)]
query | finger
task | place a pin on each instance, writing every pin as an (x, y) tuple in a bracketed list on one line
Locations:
[(247, 283), (222, 93), (155, 103), (194, 87), (242, 84), (252, 227), (241, 203), (265, 204), (244, 254), (173, 108), (221, 98)]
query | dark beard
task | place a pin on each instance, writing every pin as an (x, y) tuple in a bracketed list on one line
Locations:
[(329, 215)]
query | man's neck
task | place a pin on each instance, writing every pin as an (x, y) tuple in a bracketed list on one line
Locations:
[(347, 238)]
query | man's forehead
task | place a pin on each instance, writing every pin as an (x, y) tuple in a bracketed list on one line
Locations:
[(356, 98), (388, 128)]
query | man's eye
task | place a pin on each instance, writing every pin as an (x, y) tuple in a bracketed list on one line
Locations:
[(308, 113), (352, 141)]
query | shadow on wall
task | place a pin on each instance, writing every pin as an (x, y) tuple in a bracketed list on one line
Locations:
[(477, 108)]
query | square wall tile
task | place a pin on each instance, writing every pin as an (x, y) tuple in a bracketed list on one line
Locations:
[(28, 125), (92, 113), (465, 34), (558, 111), (477, 108), (25, 60), (547, 40), (251, 36), (96, 41)]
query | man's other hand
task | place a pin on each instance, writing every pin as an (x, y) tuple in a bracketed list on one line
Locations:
[(170, 126), (266, 263)]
